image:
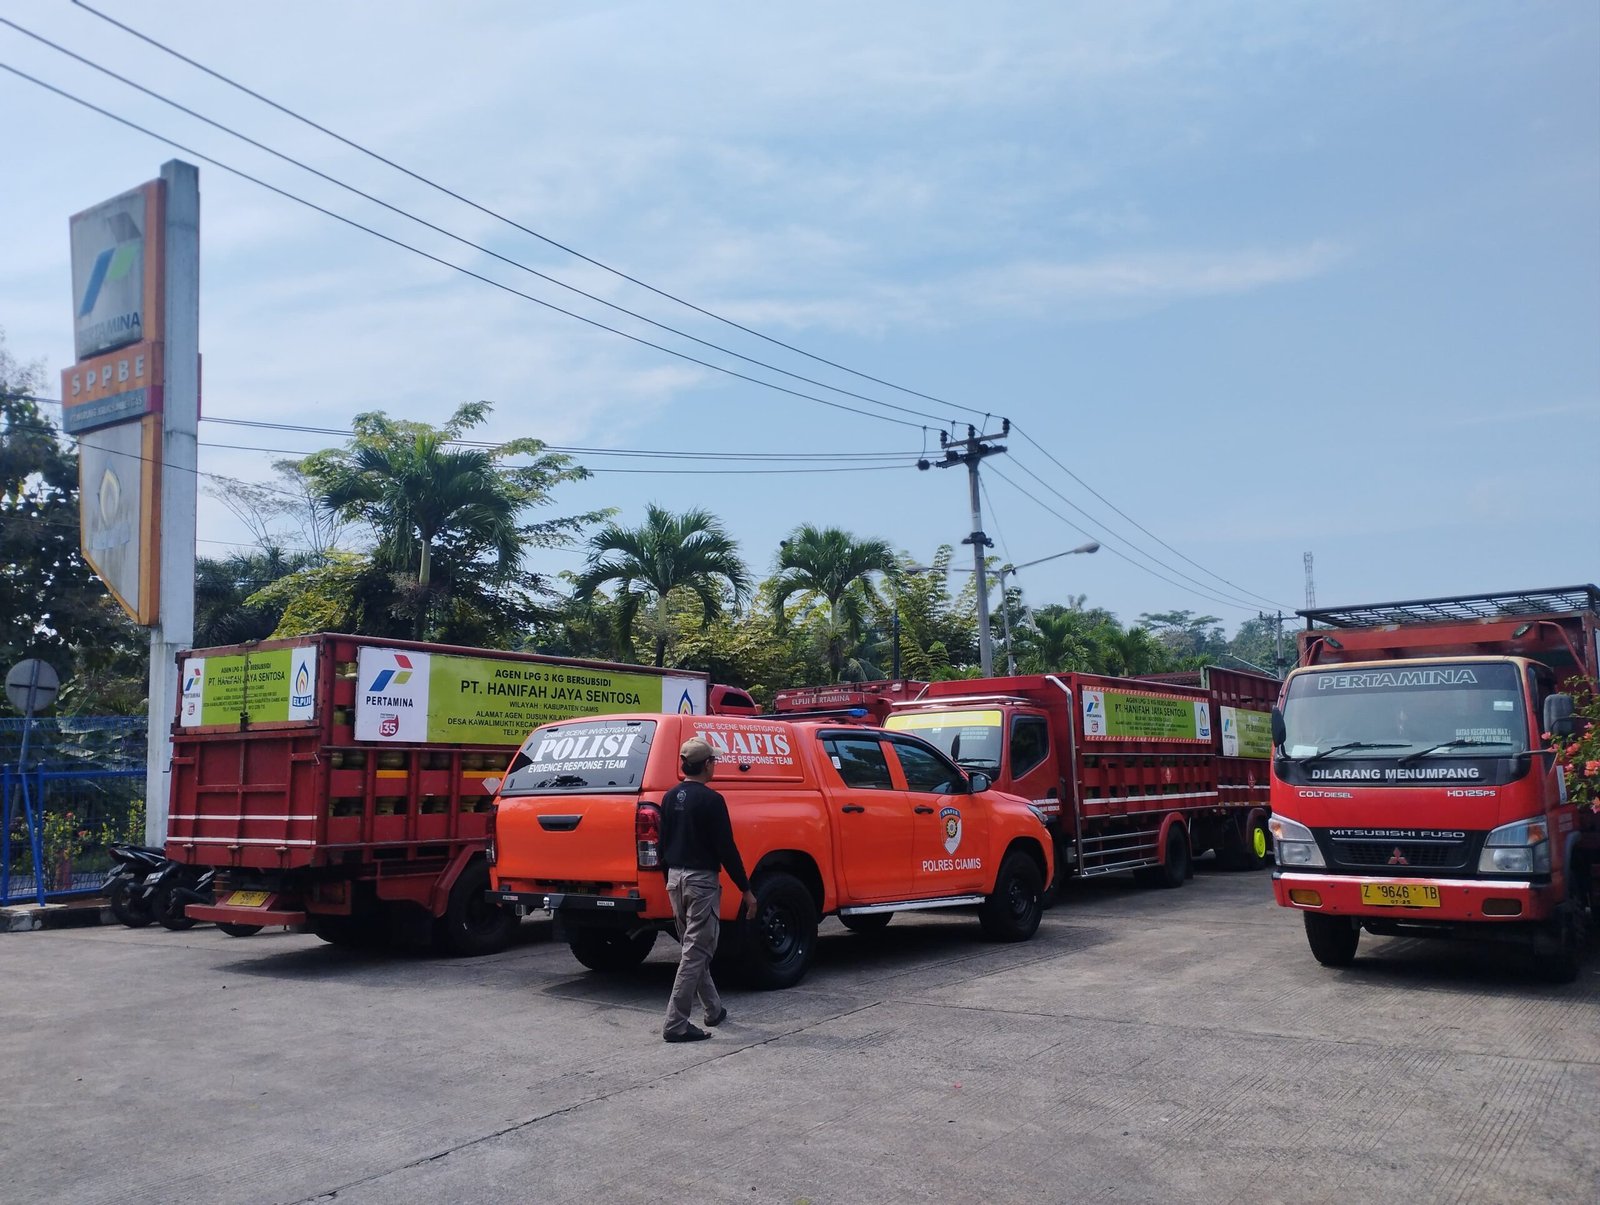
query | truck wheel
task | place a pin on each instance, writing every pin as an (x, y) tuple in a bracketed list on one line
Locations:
[(168, 907), (1013, 910), (358, 931), (1563, 950), (1174, 868), (1257, 844), (611, 949), (1333, 939), (780, 940), (131, 911), (868, 922), (473, 924), (233, 930)]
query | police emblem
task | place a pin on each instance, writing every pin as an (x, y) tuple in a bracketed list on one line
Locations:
[(951, 819)]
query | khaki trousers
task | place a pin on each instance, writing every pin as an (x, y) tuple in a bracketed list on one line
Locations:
[(696, 896)]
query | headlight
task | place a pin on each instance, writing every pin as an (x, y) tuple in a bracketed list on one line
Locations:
[(1293, 843), (1520, 848), (1038, 815)]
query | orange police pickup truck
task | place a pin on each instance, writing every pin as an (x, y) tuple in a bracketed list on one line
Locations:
[(829, 819)]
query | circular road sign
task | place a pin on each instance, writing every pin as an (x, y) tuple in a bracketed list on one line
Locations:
[(32, 685)]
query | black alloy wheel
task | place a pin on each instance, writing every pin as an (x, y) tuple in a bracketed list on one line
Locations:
[(783, 935), (1013, 910)]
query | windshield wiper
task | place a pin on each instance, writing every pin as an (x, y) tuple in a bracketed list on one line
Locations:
[(1306, 761), (1460, 742)]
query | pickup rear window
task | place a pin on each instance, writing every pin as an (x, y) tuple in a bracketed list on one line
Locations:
[(583, 756)]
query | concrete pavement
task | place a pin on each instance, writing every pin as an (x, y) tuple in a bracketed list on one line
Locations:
[(1146, 1046)]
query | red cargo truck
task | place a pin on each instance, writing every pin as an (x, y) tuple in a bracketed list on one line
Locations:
[(344, 783), (1415, 785), (1131, 774)]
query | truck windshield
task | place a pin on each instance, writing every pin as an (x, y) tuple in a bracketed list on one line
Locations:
[(585, 755), (969, 738), (1405, 712)]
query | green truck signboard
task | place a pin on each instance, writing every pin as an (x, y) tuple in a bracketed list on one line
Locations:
[(272, 686), (416, 698), (1144, 716)]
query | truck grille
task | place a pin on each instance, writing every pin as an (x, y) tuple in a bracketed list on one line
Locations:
[(1429, 855)]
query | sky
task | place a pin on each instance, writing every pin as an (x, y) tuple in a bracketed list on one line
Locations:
[(1248, 280)]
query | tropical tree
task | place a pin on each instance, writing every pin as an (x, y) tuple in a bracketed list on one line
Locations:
[(52, 605), (828, 569), (448, 521), (225, 611), (669, 552), (937, 631)]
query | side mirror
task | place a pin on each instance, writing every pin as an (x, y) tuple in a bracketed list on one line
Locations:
[(1279, 732), (1558, 717), (978, 782)]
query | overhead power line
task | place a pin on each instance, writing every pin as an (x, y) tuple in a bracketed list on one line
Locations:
[(445, 263), (1188, 577), (512, 222), (525, 267), (1045, 452), (900, 459), (450, 234), (1113, 550)]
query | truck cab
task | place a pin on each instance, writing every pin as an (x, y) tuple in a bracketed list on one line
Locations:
[(1416, 789)]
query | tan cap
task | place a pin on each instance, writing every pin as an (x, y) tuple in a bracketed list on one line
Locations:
[(696, 750)]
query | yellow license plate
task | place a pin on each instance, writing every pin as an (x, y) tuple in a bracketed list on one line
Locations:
[(1400, 895), (248, 899)]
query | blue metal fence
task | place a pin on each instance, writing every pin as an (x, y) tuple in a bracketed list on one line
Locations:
[(82, 789)]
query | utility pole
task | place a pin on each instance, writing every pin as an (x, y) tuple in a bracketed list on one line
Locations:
[(970, 452), (1276, 621)]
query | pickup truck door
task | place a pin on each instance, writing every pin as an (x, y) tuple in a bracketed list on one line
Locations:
[(871, 819), (952, 826)]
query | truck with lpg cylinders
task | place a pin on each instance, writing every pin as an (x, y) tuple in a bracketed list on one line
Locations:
[(1132, 774), (344, 783), (1416, 784)]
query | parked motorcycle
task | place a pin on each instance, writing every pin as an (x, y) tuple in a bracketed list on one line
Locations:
[(176, 886), (125, 887)]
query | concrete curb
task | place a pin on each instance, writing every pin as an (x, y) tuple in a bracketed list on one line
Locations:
[(27, 918)]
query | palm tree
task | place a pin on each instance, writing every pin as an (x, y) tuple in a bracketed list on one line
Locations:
[(691, 551), (446, 518), (828, 568)]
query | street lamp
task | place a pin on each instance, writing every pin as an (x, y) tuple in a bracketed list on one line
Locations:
[(1005, 614)]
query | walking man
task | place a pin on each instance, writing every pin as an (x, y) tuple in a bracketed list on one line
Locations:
[(696, 843)]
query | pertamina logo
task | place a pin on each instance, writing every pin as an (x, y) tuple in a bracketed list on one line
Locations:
[(114, 263), (398, 676)]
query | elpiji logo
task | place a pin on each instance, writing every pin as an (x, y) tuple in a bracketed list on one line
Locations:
[(113, 263), (398, 676), (300, 695), (686, 704)]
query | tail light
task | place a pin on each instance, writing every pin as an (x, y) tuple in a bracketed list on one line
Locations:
[(489, 850), (647, 835)]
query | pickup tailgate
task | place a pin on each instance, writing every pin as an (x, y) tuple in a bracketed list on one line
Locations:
[(566, 812)]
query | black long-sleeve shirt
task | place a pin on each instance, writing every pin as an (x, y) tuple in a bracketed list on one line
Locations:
[(696, 833)]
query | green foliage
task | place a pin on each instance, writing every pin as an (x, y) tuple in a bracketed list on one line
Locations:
[(938, 629), (689, 552), (449, 525), (1579, 756), (224, 590), (827, 571), (52, 605)]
